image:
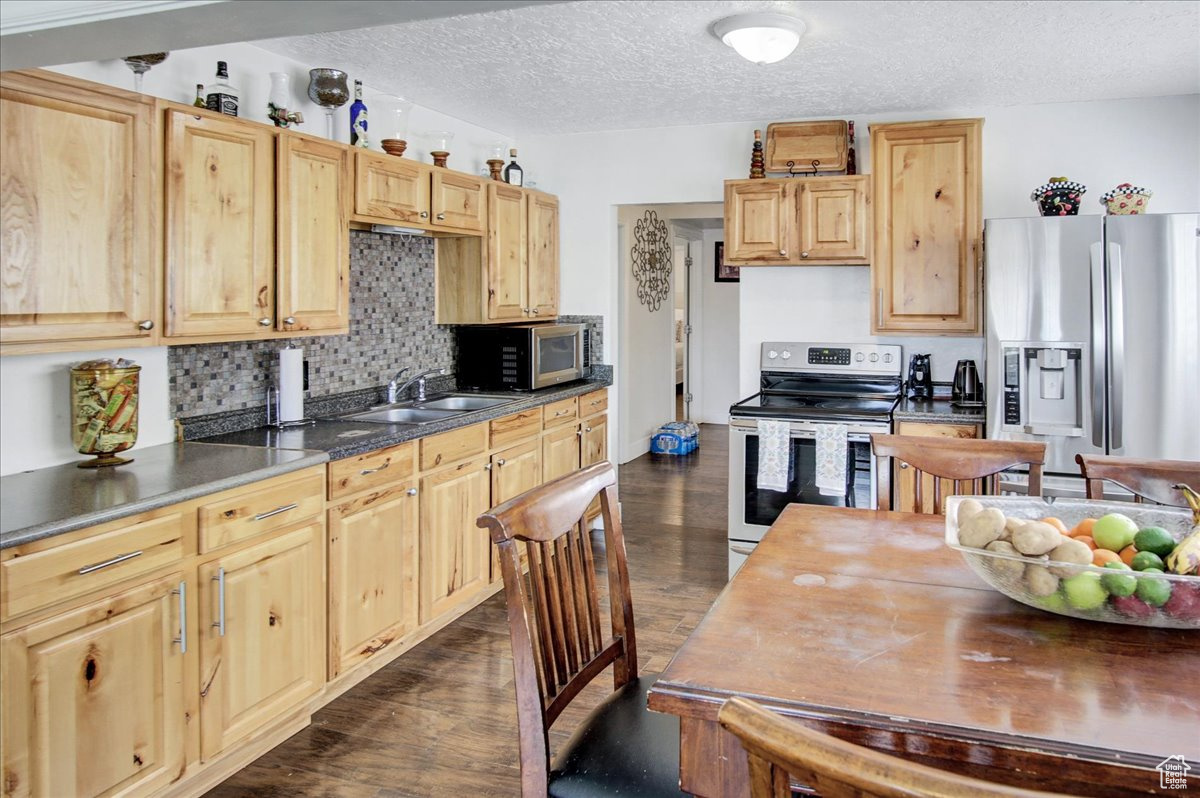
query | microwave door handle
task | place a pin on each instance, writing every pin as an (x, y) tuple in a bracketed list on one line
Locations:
[(1099, 345)]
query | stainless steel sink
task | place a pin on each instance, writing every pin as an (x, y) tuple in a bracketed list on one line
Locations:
[(456, 402), (403, 415)]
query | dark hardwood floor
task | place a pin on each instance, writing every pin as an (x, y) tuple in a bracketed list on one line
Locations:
[(441, 719)]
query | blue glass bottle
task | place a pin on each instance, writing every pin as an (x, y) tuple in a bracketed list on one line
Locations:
[(358, 118)]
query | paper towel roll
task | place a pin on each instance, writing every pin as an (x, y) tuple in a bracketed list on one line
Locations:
[(291, 383)]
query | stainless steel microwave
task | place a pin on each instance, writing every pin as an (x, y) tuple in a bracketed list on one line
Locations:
[(520, 357)]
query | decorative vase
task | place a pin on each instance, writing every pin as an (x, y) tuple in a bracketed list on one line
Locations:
[(277, 102), (104, 410), (141, 64), (440, 146), (328, 89), (390, 119), (1058, 197), (757, 167), (1126, 200)]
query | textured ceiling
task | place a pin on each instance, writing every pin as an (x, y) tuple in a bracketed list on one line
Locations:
[(617, 64)]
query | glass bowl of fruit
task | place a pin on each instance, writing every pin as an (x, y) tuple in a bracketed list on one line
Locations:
[(1101, 561)]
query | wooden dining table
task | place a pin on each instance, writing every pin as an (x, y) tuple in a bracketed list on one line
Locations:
[(865, 625)]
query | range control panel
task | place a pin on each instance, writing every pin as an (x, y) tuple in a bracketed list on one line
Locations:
[(880, 359)]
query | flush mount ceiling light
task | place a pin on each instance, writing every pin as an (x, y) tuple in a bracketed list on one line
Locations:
[(762, 38)]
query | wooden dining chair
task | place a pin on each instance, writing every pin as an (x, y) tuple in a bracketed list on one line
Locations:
[(559, 645), (1146, 479), (953, 465), (780, 750)]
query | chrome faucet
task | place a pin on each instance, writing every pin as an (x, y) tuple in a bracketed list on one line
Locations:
[(395, 390)]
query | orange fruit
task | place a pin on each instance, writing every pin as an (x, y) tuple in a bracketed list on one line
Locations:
[(1101, 557), (1091, 544), (1127, 554), (1056, 523), (1084, 527)]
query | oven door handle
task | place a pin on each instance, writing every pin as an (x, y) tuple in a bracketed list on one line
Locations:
[(736, 549)]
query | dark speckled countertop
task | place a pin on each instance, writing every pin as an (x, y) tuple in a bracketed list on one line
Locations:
[(937, 410), (51, 501), (341, 439)]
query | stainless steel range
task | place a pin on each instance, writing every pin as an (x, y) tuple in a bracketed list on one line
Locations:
[(808, 385)]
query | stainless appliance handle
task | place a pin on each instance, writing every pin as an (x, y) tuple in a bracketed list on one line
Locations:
[(1099, 346), (747, 550), (1116, 315)]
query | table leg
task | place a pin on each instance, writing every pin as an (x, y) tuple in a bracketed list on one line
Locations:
[(712, 762)]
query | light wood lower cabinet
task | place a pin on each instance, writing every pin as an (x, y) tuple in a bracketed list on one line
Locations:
[(373, 555), (514, 471), (905, 484), (560, 452), (262, 646), (593, 448), (94, 697), (455, 554)]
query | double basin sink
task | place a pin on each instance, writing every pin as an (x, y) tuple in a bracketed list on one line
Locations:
[(438, 408)]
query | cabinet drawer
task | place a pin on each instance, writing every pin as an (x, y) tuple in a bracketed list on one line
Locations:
[(91, 563), (937, 429), (273, 506), (592, 403), (371, 470), (564, 411), (447, 447), (516, 427)]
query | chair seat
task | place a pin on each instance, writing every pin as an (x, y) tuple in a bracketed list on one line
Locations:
[(622, 748)]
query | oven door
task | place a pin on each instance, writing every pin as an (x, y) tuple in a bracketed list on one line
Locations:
[(557, 354)]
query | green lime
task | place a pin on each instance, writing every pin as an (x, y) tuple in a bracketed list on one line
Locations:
[(1054, 602), (1119, 584), (1154, 539), (1155, 591), (1084, 591), (1144, 560)]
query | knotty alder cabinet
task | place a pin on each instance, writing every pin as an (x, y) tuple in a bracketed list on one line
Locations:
[(904, 483), (927, 192), (797, 221), (392, 190)]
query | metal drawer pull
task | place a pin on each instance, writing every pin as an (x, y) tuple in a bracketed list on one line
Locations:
[(276, 511), (366, 471), (562, 412), (596, 402), (182, 639), (88, 569), (219, 625)]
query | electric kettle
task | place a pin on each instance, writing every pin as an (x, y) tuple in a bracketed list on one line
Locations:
[(967, 389)]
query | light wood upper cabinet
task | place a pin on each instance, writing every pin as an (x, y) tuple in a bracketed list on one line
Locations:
[(797, 221), (262, 634), (391, 189), (220, 220), (458, 200), (757, 220), (507, 254), (94, 697), (833, 220), (455, 554), (543, 265), (927, 195), (79, 215), (313, 253)]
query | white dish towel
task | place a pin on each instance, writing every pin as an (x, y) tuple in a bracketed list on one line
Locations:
[(831, 459), (774, 450)]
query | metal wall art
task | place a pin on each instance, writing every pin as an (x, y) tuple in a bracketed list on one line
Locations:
[(651, 256)]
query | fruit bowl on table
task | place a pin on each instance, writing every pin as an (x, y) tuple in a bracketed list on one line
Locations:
[(1113, 594)]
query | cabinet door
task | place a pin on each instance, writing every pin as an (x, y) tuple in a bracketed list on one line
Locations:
[(757, 214), (560, 451), (832, 220), (313, 258), (94, 697), (514, 471), (220, 241), (458, 201), (905, 484), (79, 213), (927, 198), (372, 574), (262, 631), (593, 448), (391, 188), (455, 556), (506, 254), (543, 255)]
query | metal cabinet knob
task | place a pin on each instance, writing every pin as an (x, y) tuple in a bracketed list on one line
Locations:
[(264, 322), (904, 465), (783, 252), (487, 467), (534, 311), (804, 254), (500, 461), (411, 491), (148, 324), (441, 217), (290, 320), (424, 214)]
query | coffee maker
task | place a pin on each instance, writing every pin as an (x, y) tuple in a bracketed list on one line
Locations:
[(967, 390), (920, 377)]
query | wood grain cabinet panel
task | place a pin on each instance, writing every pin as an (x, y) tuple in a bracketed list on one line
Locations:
[(515, 470), (833, 220), (262, 633), (94, 698), (927, 200), (543, 261), (373, 555), (507, 257), (79, 215), (390, 188), (220, 217), (560, 451), (904, 481), (455, 554), (757, 214), (593, 448), (458, 200), (313, 254)]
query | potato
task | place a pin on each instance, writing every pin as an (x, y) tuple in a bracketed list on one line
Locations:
[(1036, 538), (981, 528), (1039, 580), (1071, 551), (968, 508), (1011, 569)]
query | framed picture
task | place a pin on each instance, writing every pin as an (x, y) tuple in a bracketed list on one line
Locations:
[(725, 272)]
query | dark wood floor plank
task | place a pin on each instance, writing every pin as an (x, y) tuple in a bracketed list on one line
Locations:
[(441, 720)]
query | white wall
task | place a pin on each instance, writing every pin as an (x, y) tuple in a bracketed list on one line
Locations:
[(718, 347), (33, 398)]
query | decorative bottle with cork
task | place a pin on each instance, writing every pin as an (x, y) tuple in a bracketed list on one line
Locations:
[(358, 118), (513, 173)]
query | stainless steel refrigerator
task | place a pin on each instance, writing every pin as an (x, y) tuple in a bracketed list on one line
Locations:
[(1093, 338)]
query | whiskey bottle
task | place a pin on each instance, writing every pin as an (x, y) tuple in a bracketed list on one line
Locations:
[(220, 95), (358, 118), (513, 173), (200, 102)]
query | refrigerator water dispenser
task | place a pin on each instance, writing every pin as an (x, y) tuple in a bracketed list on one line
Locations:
[(1043, 388)]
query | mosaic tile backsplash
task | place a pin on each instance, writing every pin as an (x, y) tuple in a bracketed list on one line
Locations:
[(391, 326)]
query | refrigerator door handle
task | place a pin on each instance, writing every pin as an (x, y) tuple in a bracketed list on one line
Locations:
[(1116, 314), (1098, 345)]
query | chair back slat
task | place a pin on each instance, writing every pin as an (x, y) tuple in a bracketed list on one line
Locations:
[(1154, 480), (554, 613)]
